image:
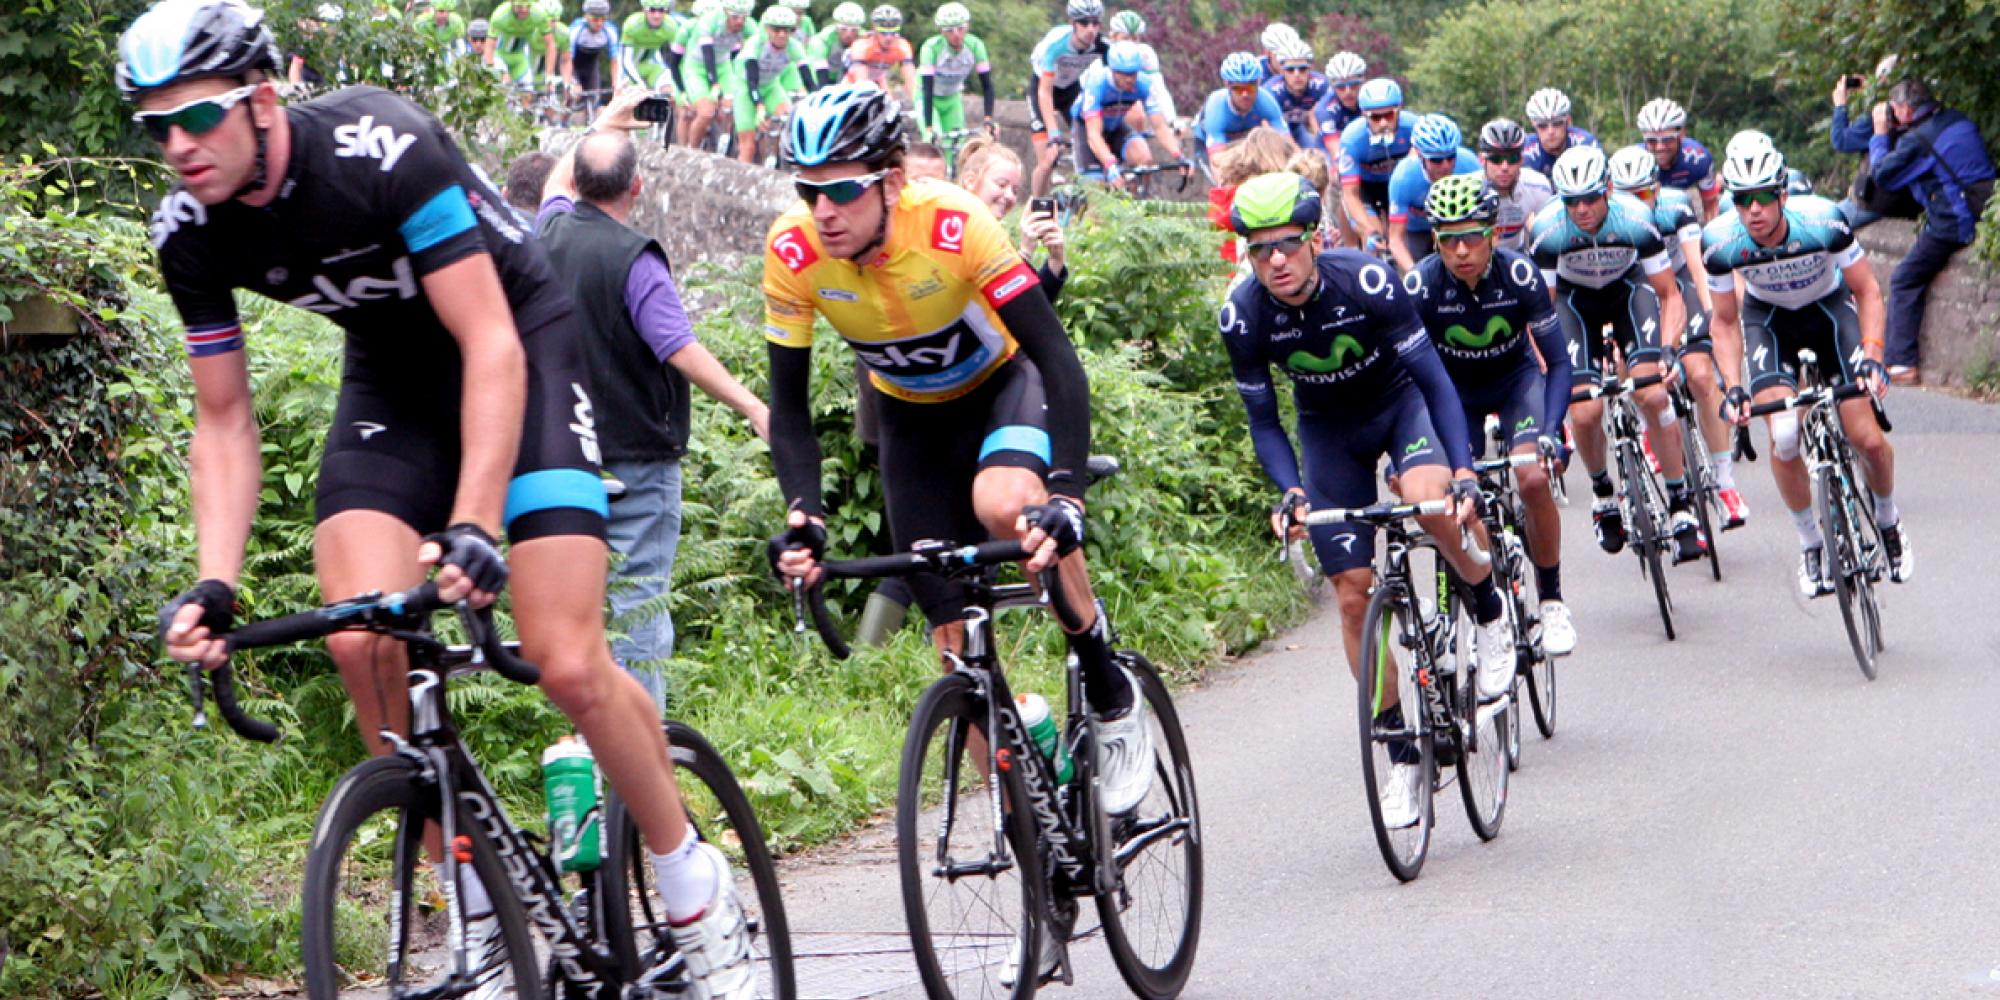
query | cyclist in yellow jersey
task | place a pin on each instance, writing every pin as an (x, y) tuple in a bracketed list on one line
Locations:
[(985, 420)]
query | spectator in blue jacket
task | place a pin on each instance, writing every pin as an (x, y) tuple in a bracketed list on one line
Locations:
[(1942, 160), (1850, 134)]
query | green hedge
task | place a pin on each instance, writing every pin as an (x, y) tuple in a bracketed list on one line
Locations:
[(139, 858)]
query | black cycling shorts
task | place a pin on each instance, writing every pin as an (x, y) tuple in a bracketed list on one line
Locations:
[(1632, 309), (1773, 337), (932, 451), (1063, 97), (1340, 458), (394, 444), (1517, 399)]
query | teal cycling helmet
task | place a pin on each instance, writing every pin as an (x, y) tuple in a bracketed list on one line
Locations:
[(181, 40), (1242, 67), (1380, 93), (851, 122), (1270, 200), (1436, 136), (1126, 57)]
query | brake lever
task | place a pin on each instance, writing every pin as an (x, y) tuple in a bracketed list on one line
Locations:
[(198, 693), (798, 589)]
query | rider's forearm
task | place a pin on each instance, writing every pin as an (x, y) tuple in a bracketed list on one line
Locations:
[(986, 91), (1168, 139), (1673, 313), (910, 80), (1350, 200), (1039, 331), (708, 60), (795, 454), (925, 103), (1399, 247), (1045, 98), (1727, 333), (226, 475), (752, 70), (492, 405)]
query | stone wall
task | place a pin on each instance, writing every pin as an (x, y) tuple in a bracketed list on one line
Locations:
[(1962, 325)]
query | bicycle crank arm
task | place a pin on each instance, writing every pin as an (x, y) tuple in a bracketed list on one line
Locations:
[(1162, 831), (981, 869)]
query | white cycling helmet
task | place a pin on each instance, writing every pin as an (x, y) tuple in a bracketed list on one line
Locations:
[(1744, 142), (1079, 10), (1662, 114), (331, 13), (1293, 50), (801, 6), (1127, 22), (1547, 104), (1579, 171), (1346, 66), (1634, 169), (1757, 167), (952, 15), (850, 15), (1277, 33)]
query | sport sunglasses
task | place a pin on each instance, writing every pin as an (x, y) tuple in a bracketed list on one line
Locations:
[(1509, 156), (1464, 236), (840, 192), (1583, 199), (196, 117), (1287, 245), (1761, 196)]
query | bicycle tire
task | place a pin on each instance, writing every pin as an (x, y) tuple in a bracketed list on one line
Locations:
[(375, 786), (1516, 694), (1702, 489), (954, 702), (1842, 562), (1645, 500), (1173, 788), (722, 815), (1541, 674), (1385, 627)]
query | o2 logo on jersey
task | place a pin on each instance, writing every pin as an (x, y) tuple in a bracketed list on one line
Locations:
[(794, 250), (1523, 272), (948, 232), (176, 210), (367, 139), (1375, 280)]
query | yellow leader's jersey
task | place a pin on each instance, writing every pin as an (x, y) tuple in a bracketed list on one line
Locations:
[(923, 313)]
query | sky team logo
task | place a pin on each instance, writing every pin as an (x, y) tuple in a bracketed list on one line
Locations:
[(948, 231), (794, 250)]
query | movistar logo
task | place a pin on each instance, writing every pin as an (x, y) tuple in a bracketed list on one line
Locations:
[(1420, 444), (1344, 347), (1497, 328), (1527, 423)]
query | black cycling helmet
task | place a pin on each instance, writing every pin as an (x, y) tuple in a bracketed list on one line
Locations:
[(846, 123), (180, 40)]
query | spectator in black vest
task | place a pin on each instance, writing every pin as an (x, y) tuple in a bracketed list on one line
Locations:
[(1941, 159), (641, 353)]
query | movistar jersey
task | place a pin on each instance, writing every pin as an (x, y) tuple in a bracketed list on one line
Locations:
[(1804, 267), (1535, 157), (1693, 167), (924, 312), (374, 198), (947, 67), (1369, 158), (1478, 330), (1099, 97), (1222, 124), (1409, 186), (1356, 346), (1624, 246)]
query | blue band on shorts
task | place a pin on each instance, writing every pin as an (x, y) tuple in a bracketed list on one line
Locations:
[(1015, 437), (549, 489)]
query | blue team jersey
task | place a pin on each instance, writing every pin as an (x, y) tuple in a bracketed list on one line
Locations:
[(1366, 158), (1534, 157), (1056, 56), (1332, 118), (1297, 109), (1099, 97), (1624, 246), (1801, 269), (1693, 167), (1409, 186), (1220, 124), (1675, 217)]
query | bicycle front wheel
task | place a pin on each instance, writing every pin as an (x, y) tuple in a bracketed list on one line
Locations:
[(1842, 539), (1152, 922), (361, 934), (1645, 500), (635, 917), (1702, 489), (1390, 633), (966, 847)]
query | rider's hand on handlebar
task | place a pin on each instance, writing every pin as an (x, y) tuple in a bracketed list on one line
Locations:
[(1285, 514), (796, 551), (1552, 448), (1465, 497), (1874, 377), (1736, 406), (192, 624), (1050, 531), (469, 564)]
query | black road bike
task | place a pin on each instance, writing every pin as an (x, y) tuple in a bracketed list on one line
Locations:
[(605, 938), (1642, 494), (1417, 645), (1704, 493), (995, 851), (1505, 515), (1853, 555)]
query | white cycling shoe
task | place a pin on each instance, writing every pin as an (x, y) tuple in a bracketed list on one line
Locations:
[(1496, 658), (1010, 971), (715, 946), (1558, 632), (1400, 796), (1127, 746)]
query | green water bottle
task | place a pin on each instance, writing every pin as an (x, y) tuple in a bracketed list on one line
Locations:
[(569, 781), (1042, 729)]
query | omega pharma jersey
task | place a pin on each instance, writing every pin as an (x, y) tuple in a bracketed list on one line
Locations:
[(923, 313), (1624, 245), (375, 196), (1802, 269)]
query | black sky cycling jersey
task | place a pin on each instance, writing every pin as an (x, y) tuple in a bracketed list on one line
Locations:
[(1479, 331), (375, 196)]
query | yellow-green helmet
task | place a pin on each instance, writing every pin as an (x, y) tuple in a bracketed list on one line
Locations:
[(1270, 200), (1461, 198)]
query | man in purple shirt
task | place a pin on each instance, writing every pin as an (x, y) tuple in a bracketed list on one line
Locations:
[(642, 354)]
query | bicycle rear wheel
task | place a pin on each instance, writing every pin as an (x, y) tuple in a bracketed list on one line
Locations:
[(1851, 585), (634, 916), (1389, 634), (368, 843), (1645, 501), (1153, 921), (972, 880)]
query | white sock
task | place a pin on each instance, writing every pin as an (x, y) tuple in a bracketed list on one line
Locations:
[(1725, 469), (687, 880), (472, 898), (1886, 514), (1807, 526)]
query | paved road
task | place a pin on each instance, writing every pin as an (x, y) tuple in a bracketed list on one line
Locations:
[(1736, 814)]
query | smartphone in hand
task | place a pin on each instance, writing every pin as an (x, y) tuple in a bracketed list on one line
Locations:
[(1854, 83), (1045, 206), (654, 109)]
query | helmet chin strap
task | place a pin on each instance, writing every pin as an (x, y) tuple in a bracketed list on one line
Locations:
[(257, 176)]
